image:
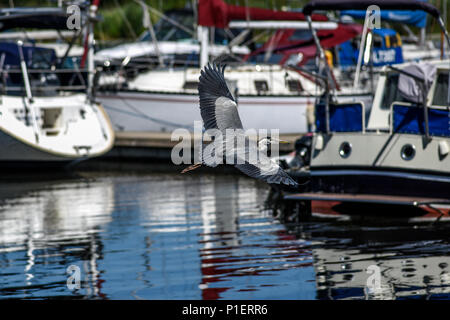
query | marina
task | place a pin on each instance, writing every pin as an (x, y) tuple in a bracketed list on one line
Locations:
[(222, 150)]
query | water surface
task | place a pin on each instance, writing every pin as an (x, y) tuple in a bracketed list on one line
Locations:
[(199, 236)]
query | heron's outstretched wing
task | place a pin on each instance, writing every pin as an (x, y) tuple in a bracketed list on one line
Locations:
[(279, 176), (263, 168), (217, 106)]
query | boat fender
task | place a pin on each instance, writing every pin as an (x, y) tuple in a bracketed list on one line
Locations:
[(444, 149), (319, 142)]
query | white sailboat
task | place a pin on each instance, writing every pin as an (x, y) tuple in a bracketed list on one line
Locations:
[(45, 118), (270, 96)]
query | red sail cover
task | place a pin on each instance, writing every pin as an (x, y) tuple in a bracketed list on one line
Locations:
[(282, 42), (217, 13)]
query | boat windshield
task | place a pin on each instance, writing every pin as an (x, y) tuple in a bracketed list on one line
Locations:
[(167, 31), (44, 72), (440, 96), (391, 92)]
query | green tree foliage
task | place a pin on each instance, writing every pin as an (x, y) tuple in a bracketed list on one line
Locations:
[(113, 12), (122, 19)]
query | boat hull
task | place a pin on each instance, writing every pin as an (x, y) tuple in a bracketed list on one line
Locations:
[(165, 112), (20, 151), (379, 213), (379, 163), (81, 131), (373, 194), (372, 181), (372, 176)]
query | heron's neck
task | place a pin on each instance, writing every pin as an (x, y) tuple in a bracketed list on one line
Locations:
[(262, 145)]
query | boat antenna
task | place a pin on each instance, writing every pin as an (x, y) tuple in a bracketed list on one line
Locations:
[(171, 21), (147, 23), (327, 70), (364, 42)]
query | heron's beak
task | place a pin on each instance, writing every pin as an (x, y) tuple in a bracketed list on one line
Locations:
[(275, 140)]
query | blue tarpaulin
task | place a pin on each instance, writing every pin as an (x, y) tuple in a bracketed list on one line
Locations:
[(343, 117), (411, 120), (415, 18), (31, 54), (348, 53)]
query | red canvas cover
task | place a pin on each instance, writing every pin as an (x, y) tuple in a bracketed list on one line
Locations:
[(282, 44), (217, 13)]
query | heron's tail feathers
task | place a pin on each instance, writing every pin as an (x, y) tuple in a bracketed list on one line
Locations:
[(192, 167)]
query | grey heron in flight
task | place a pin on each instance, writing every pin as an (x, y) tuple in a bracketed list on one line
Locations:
[(219, 111)]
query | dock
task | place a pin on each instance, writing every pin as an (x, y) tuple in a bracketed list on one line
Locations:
[(158, 145)]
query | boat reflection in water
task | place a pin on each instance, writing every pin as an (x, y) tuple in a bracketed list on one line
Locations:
[(44, 225), (169, 236), (224, 244), (408, 261), (239, 244)]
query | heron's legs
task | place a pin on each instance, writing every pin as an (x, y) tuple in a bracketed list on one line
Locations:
[(192, 167)]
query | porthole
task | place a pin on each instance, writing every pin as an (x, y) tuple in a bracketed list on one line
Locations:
[(408, 152), (345, 149)]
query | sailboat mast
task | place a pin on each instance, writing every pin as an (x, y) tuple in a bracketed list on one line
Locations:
[(203, 37), (89, 46), (147, 23)]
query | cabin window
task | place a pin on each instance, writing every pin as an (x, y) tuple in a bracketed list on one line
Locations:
[(294, 85), (51, 120), (440, 97), (394, 41), (261, 86), (300, 35), (391, 92), (190, 85), (356, 43), (377, 42)]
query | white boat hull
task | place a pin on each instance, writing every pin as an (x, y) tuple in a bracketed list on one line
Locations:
[(73, 137), (165, 112)]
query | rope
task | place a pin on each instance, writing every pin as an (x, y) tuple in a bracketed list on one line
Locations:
[(139, 114)]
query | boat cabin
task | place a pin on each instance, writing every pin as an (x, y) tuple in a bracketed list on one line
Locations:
[(406, 133), (387, 49)]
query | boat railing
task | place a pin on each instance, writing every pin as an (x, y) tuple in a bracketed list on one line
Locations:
[(115, 75), (408, 118), (423, 88), (343, 117), (29, 100), (316, 5), (41, 81)]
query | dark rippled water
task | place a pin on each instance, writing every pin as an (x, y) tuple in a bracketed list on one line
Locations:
[(199, 236)]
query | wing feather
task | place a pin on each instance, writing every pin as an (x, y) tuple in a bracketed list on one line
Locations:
[(279, 177), (263, 169), (219, 111), (217, 106)]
